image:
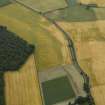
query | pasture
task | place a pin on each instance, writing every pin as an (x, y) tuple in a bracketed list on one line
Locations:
[(44, 6), (89, 41), (54, 91), (79, 14), (4, 2), (98, 93)]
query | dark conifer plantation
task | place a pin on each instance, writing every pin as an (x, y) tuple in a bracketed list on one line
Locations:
[(14, 51)]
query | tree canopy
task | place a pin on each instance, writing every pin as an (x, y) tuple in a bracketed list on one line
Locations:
[(14, 51)]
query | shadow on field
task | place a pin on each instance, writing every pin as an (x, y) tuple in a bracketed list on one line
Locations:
[(2, 89)]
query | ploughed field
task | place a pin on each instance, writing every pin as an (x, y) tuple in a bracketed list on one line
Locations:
[(54, 91)]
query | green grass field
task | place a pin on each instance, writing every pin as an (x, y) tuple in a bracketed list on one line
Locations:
[(79, 14), (4, 2), (54, 91), (44, 5)]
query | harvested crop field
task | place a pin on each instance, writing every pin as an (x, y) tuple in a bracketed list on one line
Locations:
[(87, 30), (21, 87), (85, 26), (98, 2), (89, 41)]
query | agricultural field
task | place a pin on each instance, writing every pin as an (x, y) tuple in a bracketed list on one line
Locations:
[(36, 33), (86, 28), (44, 6), (85, 49), (90, 46), (22, 87)]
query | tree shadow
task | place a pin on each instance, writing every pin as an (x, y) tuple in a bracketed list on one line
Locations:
[(2, 89)]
